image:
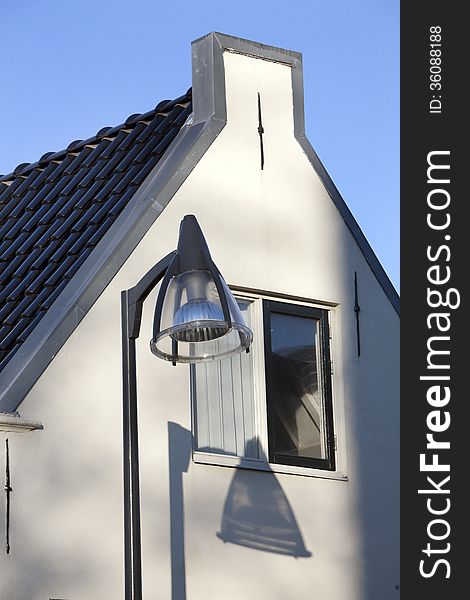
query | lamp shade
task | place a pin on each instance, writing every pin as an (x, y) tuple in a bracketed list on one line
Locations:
[(196, 316)]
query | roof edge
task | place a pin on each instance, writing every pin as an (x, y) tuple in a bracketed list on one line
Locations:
[(333, 192), (353, 226), (23, 169), (39, 349)]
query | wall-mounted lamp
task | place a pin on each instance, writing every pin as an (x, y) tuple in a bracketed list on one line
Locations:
[(196, 319), (196, 316)]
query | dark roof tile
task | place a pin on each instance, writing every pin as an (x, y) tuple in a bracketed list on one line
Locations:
[(121, 201), (35, 197), (60, 168), (149, 130), (100, 231), (75, 181), (105, 207), (26, 183), (8, 224), (61, 251), (27, 261), (166, 141), (78, 261), (35, 217), (82, 240), (29, 238), (5, 211), (146, 149), (161, 104), (142, 174), (46, 249), (87, 217), (83, 196), (8, 269), (56, 190), (54, 212), (7, 192), (132, 119), (45, 157), (67, 208), (9, 247), (111, 165), (6, 294), (4, 190), (20, 285), (51, 211), (123, 184), (52, 276), (29, 328), (18, 210), (102, 131), (91, 174), (108, 187), (20, 168), (36, 303), (114, 145), (17, 311), (88, 154), (66, 225), (132, 136), (6, 309), (15, 226), (50, 230), (5, 355), (74, 145), (43, 175), (128, 158)]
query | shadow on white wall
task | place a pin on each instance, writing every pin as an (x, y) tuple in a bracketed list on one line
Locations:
[(256, 514)]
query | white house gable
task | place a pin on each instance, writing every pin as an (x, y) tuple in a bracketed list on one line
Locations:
[(209, 529)]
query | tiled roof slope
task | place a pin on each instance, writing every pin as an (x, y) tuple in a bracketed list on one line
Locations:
[(54, 212)]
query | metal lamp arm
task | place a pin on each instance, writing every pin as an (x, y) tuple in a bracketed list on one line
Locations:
[(132, 301), (136, 295)]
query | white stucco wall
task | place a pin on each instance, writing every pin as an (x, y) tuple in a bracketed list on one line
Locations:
[(274, 230)]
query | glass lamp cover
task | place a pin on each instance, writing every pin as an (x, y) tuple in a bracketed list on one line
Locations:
[(192, 325)]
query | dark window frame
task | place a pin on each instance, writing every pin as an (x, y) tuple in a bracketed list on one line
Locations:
[(321, 316)]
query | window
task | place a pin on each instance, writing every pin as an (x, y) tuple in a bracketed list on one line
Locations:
[(298, 385), (271, 406)]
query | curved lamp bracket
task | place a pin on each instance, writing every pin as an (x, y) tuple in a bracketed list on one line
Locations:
[(136, 295)]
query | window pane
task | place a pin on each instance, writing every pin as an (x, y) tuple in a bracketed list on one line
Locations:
[(297, 407), (224, 415)]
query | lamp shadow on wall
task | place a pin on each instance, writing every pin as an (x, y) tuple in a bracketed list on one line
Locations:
[(256, 514)]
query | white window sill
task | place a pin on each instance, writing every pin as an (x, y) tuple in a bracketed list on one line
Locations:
[(222, 460), (13, 423)]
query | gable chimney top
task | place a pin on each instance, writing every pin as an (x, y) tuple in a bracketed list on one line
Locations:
[(208, 75)]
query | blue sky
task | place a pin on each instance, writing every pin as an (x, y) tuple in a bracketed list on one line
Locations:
[(71, 68)]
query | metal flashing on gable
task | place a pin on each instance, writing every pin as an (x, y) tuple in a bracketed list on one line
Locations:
[(224, 42), (352, 224)]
